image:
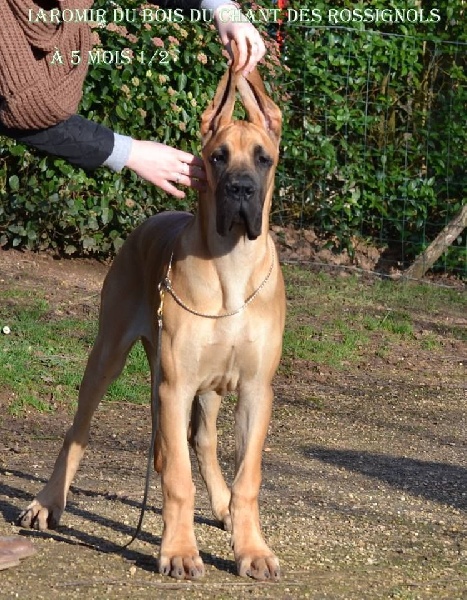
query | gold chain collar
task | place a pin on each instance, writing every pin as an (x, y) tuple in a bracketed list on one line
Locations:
[(166, 285)]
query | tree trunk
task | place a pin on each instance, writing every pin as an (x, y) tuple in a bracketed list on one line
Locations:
[(442, 242)]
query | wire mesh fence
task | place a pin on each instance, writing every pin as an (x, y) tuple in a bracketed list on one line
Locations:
[(375, 140)]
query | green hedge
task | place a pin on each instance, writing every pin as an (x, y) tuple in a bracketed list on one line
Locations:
[(378, 127), (174, 71), (374, 137)]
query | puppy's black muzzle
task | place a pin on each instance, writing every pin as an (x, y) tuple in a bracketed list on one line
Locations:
[(240, 199), (240, 188)]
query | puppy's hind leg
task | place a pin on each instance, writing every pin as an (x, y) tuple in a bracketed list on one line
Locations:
[(105, 363)]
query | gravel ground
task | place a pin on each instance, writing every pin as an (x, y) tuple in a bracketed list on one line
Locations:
[(364, 483)]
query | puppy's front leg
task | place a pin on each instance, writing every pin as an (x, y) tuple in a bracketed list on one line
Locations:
[(179, 556), (252, 555)]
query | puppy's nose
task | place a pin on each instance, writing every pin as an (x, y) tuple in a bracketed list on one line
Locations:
[(241, 187)]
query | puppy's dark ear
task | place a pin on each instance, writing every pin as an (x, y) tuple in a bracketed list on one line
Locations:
[(260, 108), (219, 112)]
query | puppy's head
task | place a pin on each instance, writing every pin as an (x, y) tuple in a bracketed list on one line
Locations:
[(241, 156)]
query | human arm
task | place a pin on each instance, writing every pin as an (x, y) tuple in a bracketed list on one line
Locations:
[(90, 145)]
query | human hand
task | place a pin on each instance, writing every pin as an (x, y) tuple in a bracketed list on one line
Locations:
[(232, 25), (161, 165)]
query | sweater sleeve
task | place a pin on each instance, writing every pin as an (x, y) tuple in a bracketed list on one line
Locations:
[(79, 141), (84, 143)]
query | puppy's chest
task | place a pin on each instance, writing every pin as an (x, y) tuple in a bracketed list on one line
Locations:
[(229, 354), (220, 369)]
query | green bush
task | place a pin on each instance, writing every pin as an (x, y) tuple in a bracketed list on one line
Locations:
[(378, 129), (374, 136), (174, 71)]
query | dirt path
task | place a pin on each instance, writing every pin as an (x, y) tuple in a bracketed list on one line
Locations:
[(364, 493)]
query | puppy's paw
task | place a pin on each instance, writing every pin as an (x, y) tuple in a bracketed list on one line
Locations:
[(261, 568), (40, 516), (182, 567)]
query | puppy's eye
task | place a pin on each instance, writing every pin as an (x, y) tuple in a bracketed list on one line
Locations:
[(218, 158), (264, 160)]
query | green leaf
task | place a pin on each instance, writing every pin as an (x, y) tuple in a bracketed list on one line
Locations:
[(13, 182), (121, 114), (182, 80)]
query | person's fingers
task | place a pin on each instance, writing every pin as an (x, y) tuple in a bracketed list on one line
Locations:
[(242, 47), (168, 187), (189, 159), (193, 180), (235, 26), (166, 167), (255, 50), (250, 45), (195, 169), (171, 188), (258, 50)]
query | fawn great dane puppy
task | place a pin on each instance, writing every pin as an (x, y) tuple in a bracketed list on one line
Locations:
[(223, 318)]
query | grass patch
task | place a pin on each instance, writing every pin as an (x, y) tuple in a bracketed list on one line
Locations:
[(394, 321), (333, 344), (331, 321), (134, 385), (335, 321), (43, 357)]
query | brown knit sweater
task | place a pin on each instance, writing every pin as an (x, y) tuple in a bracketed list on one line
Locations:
[(34, 93)]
